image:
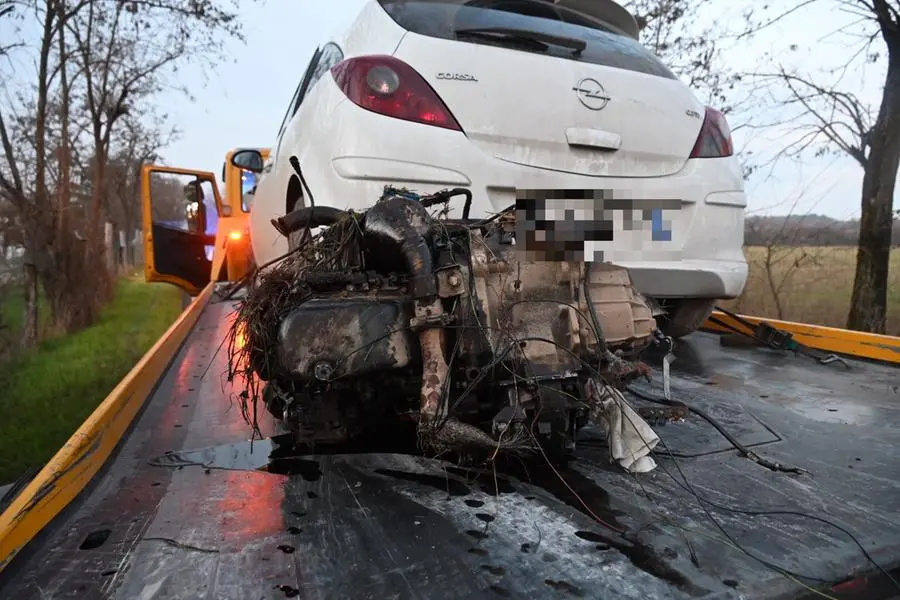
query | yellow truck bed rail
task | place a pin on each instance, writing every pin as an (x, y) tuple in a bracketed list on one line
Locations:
[(858, 344), (76, 463)]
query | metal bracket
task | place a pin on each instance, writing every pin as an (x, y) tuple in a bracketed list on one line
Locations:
[(429, 315)]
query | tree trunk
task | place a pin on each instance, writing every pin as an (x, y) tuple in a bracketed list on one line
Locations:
[(40, 120), (109, 245), (72, 292), (868, 305), (96, 251), (98, 183), (64, 190), (30, 323)]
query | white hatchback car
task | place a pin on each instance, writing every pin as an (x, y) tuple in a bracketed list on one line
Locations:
[(504, 95)]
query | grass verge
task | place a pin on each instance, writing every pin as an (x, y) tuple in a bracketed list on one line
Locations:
[(46, 394), (12, 311)]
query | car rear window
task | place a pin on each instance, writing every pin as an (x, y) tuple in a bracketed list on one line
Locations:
[(440, 19)]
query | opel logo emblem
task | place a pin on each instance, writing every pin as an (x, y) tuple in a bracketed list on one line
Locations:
[(591, 94)]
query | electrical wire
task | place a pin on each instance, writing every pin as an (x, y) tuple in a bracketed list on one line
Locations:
[(600, 521), (700, 499), (733, 542), (602, 347), (745, 452), (515, 345), (729, 541), (704, 501), (492, 218), (781, 570), (772, 512), (578, 311)]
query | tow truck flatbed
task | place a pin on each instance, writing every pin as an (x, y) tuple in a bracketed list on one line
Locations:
[(182, 511)]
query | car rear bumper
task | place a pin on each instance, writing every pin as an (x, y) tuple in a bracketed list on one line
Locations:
[(711, 264), (720, 279), (708, 261)]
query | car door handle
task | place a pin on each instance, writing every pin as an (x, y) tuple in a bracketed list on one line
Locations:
[(593, 138)]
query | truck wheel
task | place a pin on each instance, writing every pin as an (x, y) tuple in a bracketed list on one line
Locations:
[(685, 316)]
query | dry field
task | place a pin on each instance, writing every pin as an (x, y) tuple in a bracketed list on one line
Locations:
[(811, 285)]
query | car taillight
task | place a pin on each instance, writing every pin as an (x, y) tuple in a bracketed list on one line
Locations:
[(388, 86), (714, 140)]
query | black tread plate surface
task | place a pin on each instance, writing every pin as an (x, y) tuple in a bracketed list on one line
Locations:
[(398, 526)]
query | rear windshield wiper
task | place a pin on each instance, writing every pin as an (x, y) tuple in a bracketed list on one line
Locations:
[(524, 35)]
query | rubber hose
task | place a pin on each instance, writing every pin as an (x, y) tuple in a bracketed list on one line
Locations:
[(404, 223), (308, 216)]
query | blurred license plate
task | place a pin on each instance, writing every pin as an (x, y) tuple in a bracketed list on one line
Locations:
[(590, 225)]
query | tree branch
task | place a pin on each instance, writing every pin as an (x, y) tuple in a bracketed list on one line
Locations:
[(806, 93), (15, 190)]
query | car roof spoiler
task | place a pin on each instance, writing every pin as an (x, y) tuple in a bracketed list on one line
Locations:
[(608, 12)]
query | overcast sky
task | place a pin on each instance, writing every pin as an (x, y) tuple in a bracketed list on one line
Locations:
[(243, 102)]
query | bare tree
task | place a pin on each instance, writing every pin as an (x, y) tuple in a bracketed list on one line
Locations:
[(7, 8), (32, 203), (826, 115), (122, 66), (693, 38), (780, 259), (670, 29), (99, 69), (137, 144)]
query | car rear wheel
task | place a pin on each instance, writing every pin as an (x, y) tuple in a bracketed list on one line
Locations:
[(685, 316)]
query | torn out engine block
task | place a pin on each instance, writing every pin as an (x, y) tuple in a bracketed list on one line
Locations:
[(438, 321)]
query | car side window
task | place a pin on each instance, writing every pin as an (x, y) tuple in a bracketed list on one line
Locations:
[(287, 115), (298, 93), (324, 58), (331, 55)]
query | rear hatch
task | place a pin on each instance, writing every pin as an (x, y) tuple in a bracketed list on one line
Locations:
[(540, 85)]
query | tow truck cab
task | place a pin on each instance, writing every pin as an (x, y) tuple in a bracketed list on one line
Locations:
[(192, 233)]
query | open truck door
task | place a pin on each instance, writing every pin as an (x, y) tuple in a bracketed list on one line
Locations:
[(181, 212)]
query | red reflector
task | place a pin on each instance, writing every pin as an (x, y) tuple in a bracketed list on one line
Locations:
[(388, 86), (852, 586)]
